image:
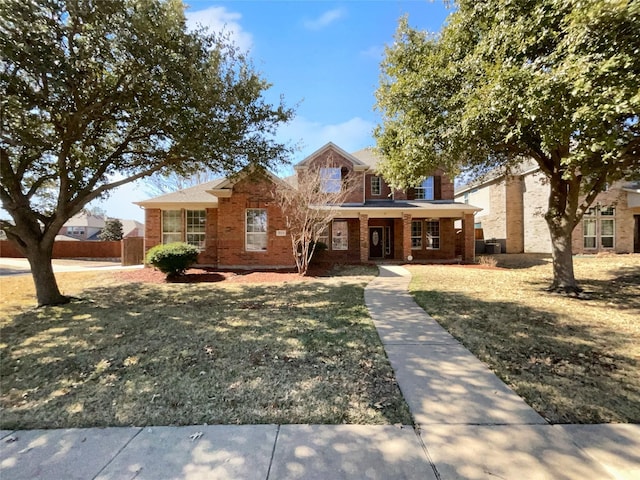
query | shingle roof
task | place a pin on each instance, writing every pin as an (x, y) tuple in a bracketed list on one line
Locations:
[(368, 156), (197, 194), (84, 220)]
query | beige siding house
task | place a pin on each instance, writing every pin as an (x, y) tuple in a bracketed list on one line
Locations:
[(513, 207)]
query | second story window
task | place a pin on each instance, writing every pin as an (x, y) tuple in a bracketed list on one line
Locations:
[(425, 190), (330, 180), (376, 186)]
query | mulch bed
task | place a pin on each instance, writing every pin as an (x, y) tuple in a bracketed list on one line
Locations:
[(200, 275)]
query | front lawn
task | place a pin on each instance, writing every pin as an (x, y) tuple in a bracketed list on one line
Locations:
[(574, 361), (177, 354)]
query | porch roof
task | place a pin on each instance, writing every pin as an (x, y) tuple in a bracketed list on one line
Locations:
[(415, 208)]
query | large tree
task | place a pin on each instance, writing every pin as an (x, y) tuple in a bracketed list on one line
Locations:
[(97, 94), (553, 80)]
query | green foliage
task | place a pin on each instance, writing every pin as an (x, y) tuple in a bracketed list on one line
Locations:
[(553, 80), (94, 95), (173, 258), (112, 230)]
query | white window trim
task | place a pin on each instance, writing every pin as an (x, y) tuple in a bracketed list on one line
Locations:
[(201, 245), (420, 192), (427, 235), (419, 237), (612, 236), (175, 232), (378, 183), (346, 238), (246, 231)]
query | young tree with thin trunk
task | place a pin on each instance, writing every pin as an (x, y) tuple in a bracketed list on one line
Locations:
[(309, 203), (94, 95), (553, 80)]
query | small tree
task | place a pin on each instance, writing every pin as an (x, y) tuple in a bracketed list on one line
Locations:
[(310, 205), (112, 230)]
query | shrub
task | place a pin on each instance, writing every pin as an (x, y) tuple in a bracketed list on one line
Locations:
[(172, 259)]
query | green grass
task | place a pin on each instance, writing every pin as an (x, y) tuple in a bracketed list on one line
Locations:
[(179, 354), (574, 361)]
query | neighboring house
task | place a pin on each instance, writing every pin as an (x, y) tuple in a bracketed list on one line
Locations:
[(132, 228), (513, 208), (83, 226), (237, 224)]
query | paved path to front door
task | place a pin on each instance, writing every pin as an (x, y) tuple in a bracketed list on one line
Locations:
[(473, 425)]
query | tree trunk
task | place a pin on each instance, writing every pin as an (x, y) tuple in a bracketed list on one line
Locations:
[(564, 280), (47, 291), (560, 219)]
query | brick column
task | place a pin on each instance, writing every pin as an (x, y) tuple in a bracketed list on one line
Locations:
[(152, 228), (406, 236), (364, 238), (469, 239)]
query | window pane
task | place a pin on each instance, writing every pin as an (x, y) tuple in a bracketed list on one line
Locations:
[(416, 235), (433, 234), (606, 228), (171, 237), (589, 233), (340, 235), (330, 179), (590, 228), (375, 186), (425, 190), (171, 221), (256, 229), (608, 211), (196, 221)]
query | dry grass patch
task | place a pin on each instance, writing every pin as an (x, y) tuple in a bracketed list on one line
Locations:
[(574, 361), (177, 354)]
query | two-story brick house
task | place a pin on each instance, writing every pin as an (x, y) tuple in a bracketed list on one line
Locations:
[(237, 223), (513, 207)]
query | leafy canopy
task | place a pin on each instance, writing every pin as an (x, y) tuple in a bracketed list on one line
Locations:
[(96, 95), (555, 80)]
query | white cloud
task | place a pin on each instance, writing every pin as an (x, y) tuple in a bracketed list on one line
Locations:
[(219, 19), (351, 135), (326, 19)]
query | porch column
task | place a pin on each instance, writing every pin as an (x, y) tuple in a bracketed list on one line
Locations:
[(364, 238), (406, 236), (469, 238)]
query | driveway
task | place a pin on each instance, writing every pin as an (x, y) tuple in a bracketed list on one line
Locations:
[(20, 266)]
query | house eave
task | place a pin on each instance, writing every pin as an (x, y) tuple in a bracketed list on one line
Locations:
[(177, 205), (415, 209)]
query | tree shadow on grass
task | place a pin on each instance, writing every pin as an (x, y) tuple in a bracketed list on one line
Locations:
[(567, 371), (167, 354)]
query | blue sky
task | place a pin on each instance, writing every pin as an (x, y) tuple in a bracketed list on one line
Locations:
[(321, 56)]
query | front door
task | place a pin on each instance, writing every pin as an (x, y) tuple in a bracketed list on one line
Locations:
[(376, 242), (636, 234)]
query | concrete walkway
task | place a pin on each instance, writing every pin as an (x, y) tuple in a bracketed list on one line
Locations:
[(469, 426)]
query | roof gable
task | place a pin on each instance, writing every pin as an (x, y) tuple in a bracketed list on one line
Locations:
[(357, 164)]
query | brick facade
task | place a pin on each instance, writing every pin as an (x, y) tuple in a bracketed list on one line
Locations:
[(226, 204), (515, 208)]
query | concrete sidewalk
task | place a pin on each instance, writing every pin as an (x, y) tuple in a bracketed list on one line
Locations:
[(469, 426)]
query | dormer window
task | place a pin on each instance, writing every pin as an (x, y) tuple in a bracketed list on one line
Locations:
[(425, 190), (330, 179)]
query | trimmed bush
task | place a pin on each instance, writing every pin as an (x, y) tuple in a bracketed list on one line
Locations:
[(172, 259)]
